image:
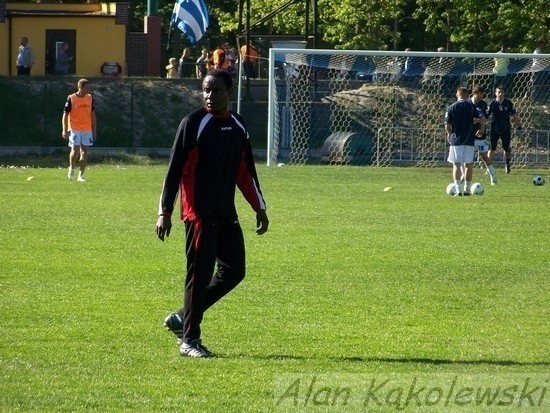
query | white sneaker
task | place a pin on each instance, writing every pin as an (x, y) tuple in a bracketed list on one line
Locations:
[(70, 174), (195, 349), (493, 179), (81, 178)]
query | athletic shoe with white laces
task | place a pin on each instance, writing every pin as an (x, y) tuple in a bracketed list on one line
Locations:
[(70, 174), (195, 349), (174, 324), (81, 178)]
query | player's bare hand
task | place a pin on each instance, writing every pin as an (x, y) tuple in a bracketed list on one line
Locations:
[(164, 225), (479, 134), (65, 135), (262, 222)]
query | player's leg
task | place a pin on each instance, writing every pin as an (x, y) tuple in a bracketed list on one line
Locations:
[(455, 156), (74, 154), (482, 147), (490, 168), (506, 145), (87, 142), (73, 160), (200, 247), (468, 175), (457, 177), (494, 141), (230, 259), (83, 160), (468, 162)]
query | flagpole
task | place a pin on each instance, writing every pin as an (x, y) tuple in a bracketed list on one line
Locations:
[(169, 35), (247, 96)]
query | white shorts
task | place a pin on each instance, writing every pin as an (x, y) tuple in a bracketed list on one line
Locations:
[(481, 145), (461, 154), (77, 138)]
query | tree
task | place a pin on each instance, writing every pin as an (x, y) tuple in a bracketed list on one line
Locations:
[(352, 24), (481, 26), (460, 25)]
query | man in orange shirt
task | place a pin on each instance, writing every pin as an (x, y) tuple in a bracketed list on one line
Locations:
[(219, 57), (79, 126), (249, 61)]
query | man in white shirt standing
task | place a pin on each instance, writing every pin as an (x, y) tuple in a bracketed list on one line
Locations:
[(25, 58)]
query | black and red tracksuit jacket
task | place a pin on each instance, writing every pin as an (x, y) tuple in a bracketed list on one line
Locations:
[(211, 156)]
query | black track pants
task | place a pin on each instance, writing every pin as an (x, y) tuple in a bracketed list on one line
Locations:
[(211, 244)]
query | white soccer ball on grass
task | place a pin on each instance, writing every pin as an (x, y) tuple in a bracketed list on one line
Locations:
[(451, 189), (538, 180), (477, 189)]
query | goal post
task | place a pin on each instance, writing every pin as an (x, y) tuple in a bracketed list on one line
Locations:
[(352, 107)]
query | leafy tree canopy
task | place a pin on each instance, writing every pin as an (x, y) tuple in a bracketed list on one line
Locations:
[(457, 25)]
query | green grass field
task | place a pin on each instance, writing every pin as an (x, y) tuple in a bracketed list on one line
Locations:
[(350, 279)]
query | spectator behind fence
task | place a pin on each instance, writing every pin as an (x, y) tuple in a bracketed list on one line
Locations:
[(231, 57), (201, 65), (25, 58), (186, 66), (63, 60), (500, 70), (172, 68), (413, 68), (433, 74), (219, 57), (250, 56)]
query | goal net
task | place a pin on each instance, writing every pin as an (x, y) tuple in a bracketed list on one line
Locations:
[(386, 108)]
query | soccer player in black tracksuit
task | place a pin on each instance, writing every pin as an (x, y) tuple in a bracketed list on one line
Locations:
[(211, 156), (501, 110)]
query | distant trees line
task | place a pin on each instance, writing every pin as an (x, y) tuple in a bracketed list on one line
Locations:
[(457, 25)]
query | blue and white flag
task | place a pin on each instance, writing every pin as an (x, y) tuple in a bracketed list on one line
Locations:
[(191, 17)]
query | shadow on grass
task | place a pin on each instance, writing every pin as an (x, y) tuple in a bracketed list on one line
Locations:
[(441, 361), (352, 359)]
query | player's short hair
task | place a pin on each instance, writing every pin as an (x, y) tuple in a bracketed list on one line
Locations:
[(224, 74), (83, 83), (478, 89), (501, 87), (462, 91)]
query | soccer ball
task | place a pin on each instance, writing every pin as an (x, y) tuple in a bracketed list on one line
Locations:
[(477, 189), (451, 189), (538, 180)]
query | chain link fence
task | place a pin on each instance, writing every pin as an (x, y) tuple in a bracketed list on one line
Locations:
[(131, 113)]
